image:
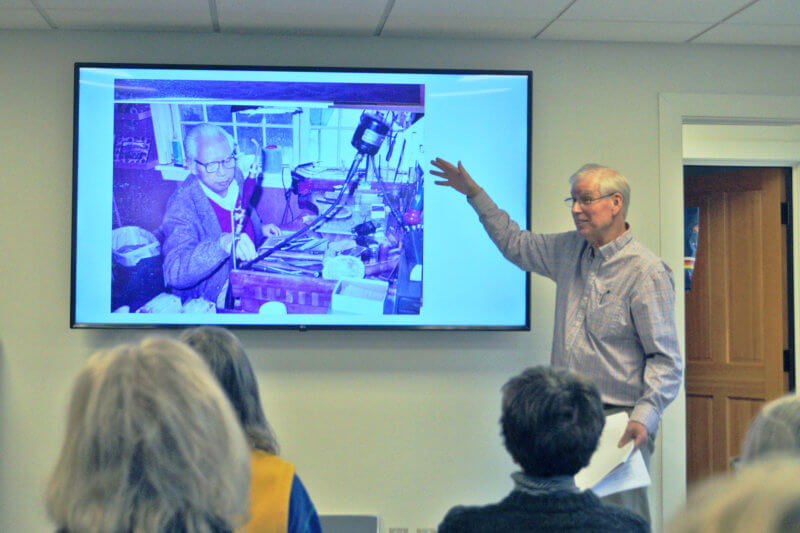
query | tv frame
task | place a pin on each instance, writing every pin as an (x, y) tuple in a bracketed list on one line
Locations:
[(78, 65)]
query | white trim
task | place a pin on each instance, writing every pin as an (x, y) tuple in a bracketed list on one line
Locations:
[(675, 110)]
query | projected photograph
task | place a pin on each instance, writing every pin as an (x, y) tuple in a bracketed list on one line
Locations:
[(267, 197), (293, 197)]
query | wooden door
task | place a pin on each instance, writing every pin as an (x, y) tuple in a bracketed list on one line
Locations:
[(735, 312)]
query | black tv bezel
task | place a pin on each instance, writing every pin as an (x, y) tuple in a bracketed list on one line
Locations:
[(78, 65)]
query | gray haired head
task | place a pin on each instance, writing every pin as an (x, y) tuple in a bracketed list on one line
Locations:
[(776, 429), (151, 444), (609, 182), (204, 132)]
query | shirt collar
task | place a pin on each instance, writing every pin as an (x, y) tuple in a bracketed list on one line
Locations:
[(230, 198), (608, 250), (543, 485)]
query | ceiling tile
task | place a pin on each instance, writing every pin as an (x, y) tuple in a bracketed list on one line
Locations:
[(661, 32), (131, 19), (695, 11), (499, 9), (18, 4), (21, 19), (770, 12), (463, 27), (126, 5), (333, 17), (762, 34), (341, 26)]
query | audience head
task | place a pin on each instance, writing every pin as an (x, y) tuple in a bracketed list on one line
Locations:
[(776, 429), (228, 361), (763, 497), (151, 444), (551, 421)]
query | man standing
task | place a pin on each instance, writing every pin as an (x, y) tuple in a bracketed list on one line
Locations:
[(198, 224), (615, 300)]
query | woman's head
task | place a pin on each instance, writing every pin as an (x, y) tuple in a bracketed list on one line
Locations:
[(151, 445), (551, 421), (763, 497), (228, 361), (776, 429)]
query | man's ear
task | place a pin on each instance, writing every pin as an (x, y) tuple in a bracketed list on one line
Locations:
[(617, 200)]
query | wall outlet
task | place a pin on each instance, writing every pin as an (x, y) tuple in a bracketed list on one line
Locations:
[(398, 530)]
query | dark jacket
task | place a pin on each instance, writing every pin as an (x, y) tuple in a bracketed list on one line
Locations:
[(556, 511), (194, 263)]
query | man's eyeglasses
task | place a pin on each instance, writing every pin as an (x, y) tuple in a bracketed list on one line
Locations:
[(584, 202), (213, 166)]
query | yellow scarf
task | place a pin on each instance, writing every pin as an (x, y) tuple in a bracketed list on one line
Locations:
[(270, 485)]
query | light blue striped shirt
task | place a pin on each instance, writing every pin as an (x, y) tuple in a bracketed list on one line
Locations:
[(614, 314)]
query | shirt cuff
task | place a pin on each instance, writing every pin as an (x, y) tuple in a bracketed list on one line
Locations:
[(647, 416), (480, 201)]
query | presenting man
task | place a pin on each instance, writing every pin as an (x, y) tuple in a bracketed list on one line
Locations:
[(614, 315), (198, 223)]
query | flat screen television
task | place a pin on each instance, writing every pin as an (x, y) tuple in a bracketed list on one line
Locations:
[(279, 197)]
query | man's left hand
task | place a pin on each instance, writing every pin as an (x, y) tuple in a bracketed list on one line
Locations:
[(636, 432)]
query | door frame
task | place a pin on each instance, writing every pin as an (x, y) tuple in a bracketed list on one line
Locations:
[(675, 110)]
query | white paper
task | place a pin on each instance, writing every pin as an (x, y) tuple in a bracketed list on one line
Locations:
[(612, 469), (631, 474)]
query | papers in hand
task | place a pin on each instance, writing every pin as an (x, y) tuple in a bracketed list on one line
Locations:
[(613, 469)]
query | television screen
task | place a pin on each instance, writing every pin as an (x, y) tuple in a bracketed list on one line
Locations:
[(294, 197)]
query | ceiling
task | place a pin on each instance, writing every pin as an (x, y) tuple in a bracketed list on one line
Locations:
[(751, 22)]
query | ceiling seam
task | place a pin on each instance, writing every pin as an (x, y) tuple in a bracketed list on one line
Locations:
[(44, 15), (554, 19), (384, 17), (719, 23), (212, 8)]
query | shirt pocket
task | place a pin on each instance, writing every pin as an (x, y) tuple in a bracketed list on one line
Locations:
[(609, 318)]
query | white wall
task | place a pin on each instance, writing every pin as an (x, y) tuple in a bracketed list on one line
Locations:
[(399, 424)]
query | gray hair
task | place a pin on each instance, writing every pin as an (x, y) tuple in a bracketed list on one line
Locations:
[(229, 363), (151, 444), (776, 429), (763, 496), (551, 421), (205, 131), (609, 182)]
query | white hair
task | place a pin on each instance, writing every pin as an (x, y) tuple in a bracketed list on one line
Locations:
[(152, 444), (763, 497), (776, 429), (609, 181), (204, 131)]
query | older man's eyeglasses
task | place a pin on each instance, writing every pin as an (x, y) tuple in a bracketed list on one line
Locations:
[(213, 166), (584, 202)]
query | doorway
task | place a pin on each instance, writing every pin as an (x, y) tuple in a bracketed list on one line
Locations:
[(738, 312), (675, 110)]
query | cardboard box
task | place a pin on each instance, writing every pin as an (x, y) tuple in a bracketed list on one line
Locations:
[(359, 296)]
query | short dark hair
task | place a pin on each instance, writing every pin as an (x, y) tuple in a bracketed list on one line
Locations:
[(551, 421)]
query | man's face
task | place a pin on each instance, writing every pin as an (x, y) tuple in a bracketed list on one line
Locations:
[(214, 149), (595, 221)]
